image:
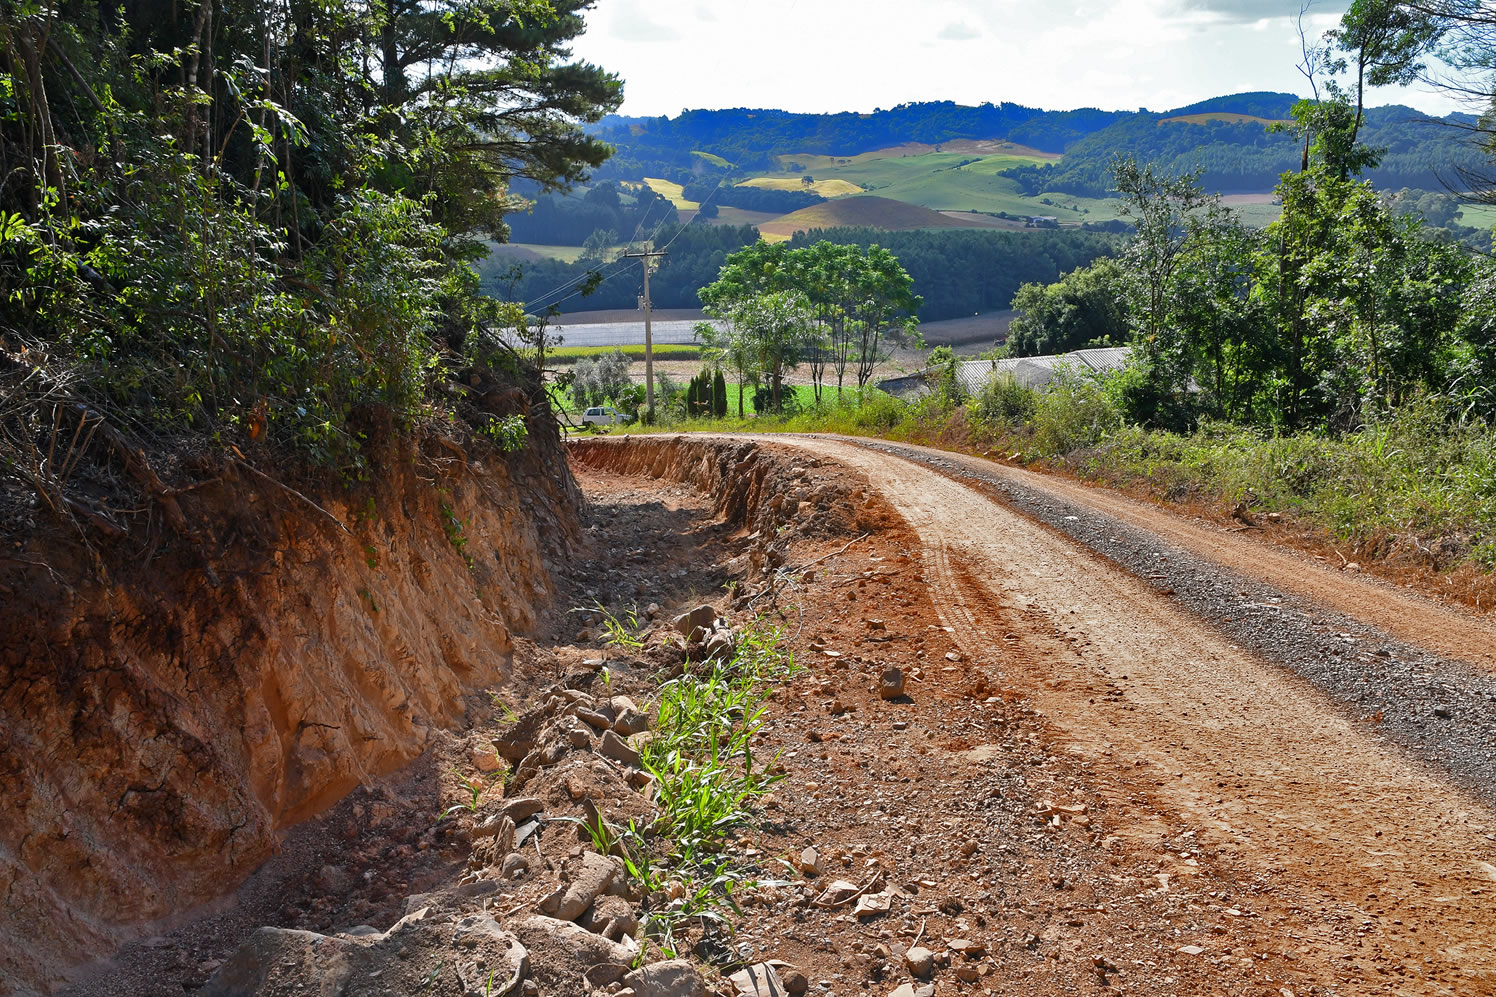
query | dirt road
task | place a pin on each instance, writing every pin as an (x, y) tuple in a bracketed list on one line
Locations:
[(1378, 851)]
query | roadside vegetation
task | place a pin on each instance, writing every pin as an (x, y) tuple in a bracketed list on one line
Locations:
[(708, 782)]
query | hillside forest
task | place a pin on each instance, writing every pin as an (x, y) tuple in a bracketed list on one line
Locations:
[(255, 224)]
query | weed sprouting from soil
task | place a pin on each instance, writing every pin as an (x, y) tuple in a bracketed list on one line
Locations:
[(475, 791), (621, 633), (706, 779)]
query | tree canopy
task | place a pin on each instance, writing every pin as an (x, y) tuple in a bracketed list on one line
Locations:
[(244, 218)]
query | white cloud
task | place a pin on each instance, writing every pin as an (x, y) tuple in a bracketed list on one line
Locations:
[(1250, 11), (958, 31), (631, 24), (834, 55)]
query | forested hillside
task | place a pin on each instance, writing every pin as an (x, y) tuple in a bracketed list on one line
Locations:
[(958, 272), (1229, 137), (251, 223), (1246, 156), (751, 138)]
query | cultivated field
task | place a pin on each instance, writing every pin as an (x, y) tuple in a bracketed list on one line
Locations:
[(1213, 117), (529, 252), (826, 188), (866, 210), (672, 192)]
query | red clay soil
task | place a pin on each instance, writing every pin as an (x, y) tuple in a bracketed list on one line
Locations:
[(1366, 872)]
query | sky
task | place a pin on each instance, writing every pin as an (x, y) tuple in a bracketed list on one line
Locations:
[(860, 55)]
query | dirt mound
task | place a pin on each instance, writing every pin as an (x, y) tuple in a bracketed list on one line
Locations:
[(168, 705)]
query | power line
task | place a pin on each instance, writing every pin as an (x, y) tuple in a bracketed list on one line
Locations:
[(541, 300), (616, 273)]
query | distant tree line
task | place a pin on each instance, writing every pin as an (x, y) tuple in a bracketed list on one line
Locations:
[(957, 272), (720, 191), (1234, 157), (1346, 308), (570, 220), (697, 253), (751, 138), (962, 272)]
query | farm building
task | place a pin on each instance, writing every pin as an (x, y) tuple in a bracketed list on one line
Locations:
[(1031, 372)]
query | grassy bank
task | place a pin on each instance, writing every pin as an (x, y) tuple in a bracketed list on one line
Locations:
[(1411, 496)]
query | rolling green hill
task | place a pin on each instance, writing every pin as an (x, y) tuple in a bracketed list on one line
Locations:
[(865, 211)]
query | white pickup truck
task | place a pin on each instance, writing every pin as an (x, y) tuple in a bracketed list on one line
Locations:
[(605, 415)]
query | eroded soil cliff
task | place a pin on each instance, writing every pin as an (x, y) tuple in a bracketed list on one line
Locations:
[(171, 700)]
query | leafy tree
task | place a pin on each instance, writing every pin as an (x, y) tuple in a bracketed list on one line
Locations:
[(776, 323), (719, 394), (885, 309), (255, 221), (1381, 43), (855, 298), (1160, 205), (726, 345), (598, 245), (1083, 308)]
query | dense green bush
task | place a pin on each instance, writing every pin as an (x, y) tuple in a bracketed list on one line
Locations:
[(1005, 401), (1072, 413), (241, 229)]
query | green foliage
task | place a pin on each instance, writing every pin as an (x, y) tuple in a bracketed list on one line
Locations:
[(828, 305), (1072, 413), (942, 365), (701, 755), (706, 778), (1005, 401), (719, 394), (455, 530), (592, 219), (621, 633), (601, 379), (255, 223), (510, 433), (699, 398), (474, 789), (634, 351), (1084, 308)]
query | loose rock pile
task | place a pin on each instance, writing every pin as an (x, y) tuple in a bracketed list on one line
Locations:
[(538, 909), (525, 918)]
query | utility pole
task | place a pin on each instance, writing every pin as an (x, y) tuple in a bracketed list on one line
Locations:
[(649, 366)]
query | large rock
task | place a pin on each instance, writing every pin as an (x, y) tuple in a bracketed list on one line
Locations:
[(891, 683), (276, 958), (695, 624), (488, 959), (614, 747), (567, 960), (921, 960), (476, 956), (760, 980), (676, 978), (597, 876)]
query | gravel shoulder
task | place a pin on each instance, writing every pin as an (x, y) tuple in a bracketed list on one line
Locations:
[(1304, 746)]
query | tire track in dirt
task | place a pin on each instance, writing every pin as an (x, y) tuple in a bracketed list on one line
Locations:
[(1382, 874)]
